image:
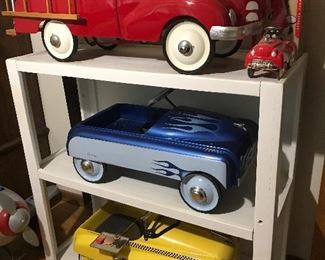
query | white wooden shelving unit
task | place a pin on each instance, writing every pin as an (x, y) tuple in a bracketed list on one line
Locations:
[(263, 214)]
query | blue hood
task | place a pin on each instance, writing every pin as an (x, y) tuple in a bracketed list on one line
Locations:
[(197, 127)]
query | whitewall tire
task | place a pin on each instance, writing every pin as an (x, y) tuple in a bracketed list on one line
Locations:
[(89, 170), (200, 191), (187, 47), (59, 41)]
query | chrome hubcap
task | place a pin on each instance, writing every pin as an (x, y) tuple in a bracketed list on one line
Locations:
[(88, 167), (55, 41), (198, 194), (185, 48)]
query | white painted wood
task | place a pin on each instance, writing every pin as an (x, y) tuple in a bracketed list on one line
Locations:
[(52, 86), (152, 71), (242, 216), (132, 190), (282, 228), (289, 129), (267, 168), (288, 142), (88, 97), (270, 159), (32, 155)]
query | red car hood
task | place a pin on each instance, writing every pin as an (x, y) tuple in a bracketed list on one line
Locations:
[(265, 48)]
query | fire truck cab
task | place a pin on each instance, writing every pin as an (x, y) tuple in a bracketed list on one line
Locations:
[(188, 30)]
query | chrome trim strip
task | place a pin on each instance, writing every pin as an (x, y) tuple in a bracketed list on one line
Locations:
[(230, 33), (262, 65)]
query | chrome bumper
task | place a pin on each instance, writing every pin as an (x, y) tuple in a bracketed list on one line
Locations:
[(229, 33), (262, 65)]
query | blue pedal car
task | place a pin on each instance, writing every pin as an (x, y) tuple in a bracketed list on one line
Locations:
[(206, 152)]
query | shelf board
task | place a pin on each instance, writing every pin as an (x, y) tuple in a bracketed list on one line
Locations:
[(142, 64), (235, 217), (68, 254)]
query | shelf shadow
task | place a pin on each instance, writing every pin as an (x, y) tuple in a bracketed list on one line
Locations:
[(125, 50), (232, 199), (113, 173), (283, 175), (149, 51)]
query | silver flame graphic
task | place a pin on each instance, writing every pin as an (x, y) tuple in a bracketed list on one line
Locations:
[(168, 169), (190, 123)]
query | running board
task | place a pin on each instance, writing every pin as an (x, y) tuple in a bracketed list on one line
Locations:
[(36, 15)]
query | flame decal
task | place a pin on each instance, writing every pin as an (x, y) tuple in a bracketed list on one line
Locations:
[(169, 169), (190, 123)]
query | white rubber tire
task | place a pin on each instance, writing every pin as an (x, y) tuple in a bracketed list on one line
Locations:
[(208, 185), (199, 39), (68, 43), (96, 177)]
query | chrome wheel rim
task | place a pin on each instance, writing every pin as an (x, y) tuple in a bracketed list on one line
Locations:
[(199, 192), (89, 170)]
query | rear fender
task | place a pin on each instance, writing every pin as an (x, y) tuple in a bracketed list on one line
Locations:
[(202, 15), (150, 21)]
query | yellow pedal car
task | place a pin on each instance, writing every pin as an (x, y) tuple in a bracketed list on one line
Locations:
[(118, 232)]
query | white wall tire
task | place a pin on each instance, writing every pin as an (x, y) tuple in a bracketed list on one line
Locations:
[(226, 48), (199, 47), (201, 192), (59, 41), (95, 175)]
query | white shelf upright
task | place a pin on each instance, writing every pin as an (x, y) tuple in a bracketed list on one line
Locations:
[(260, 219)]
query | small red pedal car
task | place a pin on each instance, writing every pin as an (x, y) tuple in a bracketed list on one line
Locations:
[(272, 53)]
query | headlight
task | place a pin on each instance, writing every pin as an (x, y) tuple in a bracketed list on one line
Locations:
[(253, 52), (233, 17), (274, 53)]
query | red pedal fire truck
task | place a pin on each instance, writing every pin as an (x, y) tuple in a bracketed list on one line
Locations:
[(189, 30)]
